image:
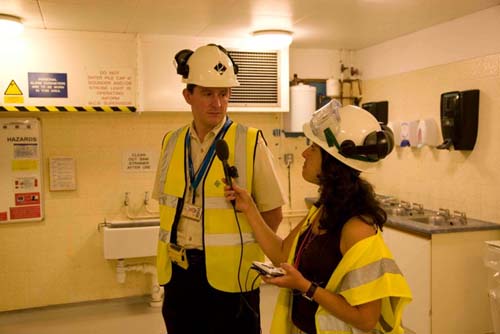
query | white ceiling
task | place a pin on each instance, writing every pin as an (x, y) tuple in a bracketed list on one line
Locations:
[(320, 24)]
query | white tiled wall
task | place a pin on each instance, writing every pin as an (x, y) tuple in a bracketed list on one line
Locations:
[(60, 260), (457, 180)]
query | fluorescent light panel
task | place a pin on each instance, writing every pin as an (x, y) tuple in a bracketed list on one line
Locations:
[(10, 25), (272, 38)]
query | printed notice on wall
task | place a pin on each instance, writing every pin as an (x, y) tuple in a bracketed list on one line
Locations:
[(111, 87), (48, 84), (21, 188), (139, 161), (62, 173)]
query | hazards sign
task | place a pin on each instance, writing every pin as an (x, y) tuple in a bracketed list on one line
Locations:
[(21, 195), (13, 93)]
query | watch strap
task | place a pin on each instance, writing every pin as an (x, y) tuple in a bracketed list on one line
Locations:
[(309, 294)]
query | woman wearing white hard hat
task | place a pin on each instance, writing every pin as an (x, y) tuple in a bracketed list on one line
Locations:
[(340, 277)]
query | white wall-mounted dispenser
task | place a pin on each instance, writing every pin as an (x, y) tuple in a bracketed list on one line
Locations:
[(302, 106), (427, 133), (333, 87)]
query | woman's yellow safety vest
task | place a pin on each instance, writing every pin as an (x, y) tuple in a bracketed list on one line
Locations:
[(366, 272), (223, 239)]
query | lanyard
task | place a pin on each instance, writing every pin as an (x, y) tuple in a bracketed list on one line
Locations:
[(195, 178), (308, 238)]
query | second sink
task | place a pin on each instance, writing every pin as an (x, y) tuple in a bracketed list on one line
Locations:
[(439, 220), (431, 220)]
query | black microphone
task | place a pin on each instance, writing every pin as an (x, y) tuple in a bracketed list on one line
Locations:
[(222, 151)]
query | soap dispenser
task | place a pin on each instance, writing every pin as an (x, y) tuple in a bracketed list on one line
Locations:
[(378, 109), (459, 119)]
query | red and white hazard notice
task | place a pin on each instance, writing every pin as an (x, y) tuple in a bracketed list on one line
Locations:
[(25, 212), (111, 87), (21, 177)]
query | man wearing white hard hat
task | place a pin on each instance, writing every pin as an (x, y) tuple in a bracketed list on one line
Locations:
[(339, 277), (205, 247)]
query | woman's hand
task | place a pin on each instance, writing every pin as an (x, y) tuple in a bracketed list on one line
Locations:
[(293, 279), (243, 199)]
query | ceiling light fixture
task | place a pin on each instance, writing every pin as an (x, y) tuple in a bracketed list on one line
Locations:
[(272, 38), (10, 25)]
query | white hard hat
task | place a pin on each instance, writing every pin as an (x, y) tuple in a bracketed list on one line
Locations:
[(208, 66), (350, 134)]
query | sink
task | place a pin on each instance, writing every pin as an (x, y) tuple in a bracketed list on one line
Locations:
[(128, 239), (438, 221), (431, 220), (406, 213)]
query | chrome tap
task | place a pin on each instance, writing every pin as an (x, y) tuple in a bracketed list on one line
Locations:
[(406, 206), (417, 208), (460, 217), (444, 213), (402, 209)]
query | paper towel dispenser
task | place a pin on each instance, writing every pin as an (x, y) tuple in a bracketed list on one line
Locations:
[(459, 119), (378, 109)]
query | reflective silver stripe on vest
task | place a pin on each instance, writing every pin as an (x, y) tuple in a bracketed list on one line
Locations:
[(240, 157), (168, 200), (328, 322), (164, 235), (353, 279), (167, 157), (373, 331), (228, 239), (368, 273), (217, 203)]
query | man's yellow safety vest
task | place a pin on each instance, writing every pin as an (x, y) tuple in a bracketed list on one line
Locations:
[(223, 237)]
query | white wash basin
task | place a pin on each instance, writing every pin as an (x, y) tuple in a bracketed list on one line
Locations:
[(127, 239)]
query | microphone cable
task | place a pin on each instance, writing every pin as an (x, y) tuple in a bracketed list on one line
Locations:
[(243, 298)]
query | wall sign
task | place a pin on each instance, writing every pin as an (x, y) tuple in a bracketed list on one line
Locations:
[(13, 93), (111, 87), (48, 85), (139, 161), (62, 174), (21, 198)]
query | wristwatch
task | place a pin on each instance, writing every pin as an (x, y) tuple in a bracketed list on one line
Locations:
[(310, 292)]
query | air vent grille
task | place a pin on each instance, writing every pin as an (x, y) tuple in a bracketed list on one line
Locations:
[(258, 77)]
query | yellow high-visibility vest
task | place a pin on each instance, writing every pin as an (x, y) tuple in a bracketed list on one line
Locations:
[(366, 272), (222, 239)]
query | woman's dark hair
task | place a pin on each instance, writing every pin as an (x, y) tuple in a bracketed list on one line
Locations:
[(344, 194)]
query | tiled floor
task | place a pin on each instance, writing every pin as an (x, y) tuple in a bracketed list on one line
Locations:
[(123, 316)]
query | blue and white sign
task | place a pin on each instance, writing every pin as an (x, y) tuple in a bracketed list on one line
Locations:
[(48, 84)]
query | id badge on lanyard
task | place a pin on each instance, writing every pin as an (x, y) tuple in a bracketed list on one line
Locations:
[(191, 211)]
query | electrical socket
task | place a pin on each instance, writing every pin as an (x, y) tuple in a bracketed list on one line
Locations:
[(288, 158)]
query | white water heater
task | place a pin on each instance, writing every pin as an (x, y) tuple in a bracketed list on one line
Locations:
[(302, 105)]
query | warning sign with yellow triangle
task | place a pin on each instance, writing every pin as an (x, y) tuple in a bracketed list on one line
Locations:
[(13, 93)]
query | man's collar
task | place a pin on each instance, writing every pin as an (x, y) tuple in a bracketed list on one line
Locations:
[(215, 130)]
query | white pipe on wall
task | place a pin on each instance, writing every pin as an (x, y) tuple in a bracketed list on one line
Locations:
[(146, 268)]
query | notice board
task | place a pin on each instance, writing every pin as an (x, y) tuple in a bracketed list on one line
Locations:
[(21, 197)]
